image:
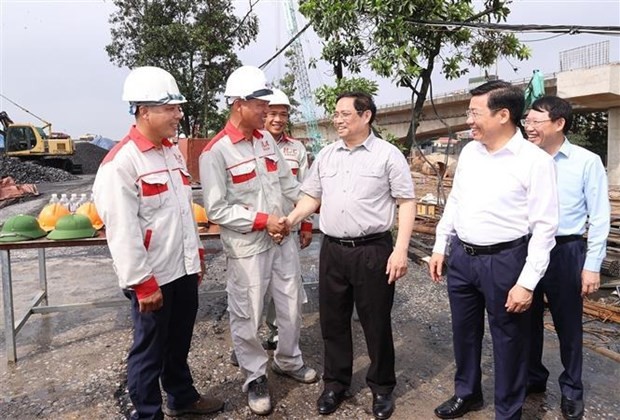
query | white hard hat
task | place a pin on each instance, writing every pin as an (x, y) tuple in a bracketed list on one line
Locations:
[(151, 85), (247, 82), (278, 98)]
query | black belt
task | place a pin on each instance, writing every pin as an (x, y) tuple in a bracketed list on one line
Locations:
[(560, 240), (473, 250), (353, 242)]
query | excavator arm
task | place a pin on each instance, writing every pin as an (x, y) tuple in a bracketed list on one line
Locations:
[(5, 120)]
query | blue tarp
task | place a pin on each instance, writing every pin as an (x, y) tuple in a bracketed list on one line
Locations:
[(103, 142)]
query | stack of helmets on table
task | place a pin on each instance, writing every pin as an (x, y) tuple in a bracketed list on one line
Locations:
[(22, 227), (62, 225), (50, 214), (89, 210)]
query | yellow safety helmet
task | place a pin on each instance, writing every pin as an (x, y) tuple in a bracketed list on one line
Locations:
[(50, 214), (89, 210), (200, 214)]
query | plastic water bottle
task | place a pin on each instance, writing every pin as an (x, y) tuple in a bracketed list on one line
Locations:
[(54, 198), (64, 200), (73, 201), (83, 200)]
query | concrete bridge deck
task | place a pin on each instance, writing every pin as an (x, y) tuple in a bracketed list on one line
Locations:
[(588, 90)]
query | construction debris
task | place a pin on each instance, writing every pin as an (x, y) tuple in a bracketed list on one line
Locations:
[(610, 267), (603, 311), (10, 191)]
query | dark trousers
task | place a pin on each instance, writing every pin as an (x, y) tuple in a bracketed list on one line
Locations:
[(348, 275), (562, 285), (161, 342), (479, 282)]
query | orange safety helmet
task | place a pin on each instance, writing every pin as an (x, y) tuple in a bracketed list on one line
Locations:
[(89, 210), (200, 214), (50, 214)]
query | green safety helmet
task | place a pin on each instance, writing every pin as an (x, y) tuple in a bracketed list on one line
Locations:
[(22, 227), (72, 226)]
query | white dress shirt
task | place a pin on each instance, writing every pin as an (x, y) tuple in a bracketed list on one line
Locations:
[(501, 196)]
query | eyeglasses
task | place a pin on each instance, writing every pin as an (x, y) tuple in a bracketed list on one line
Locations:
[(533, 123), (258, 94), (473, 114), (345, 115)]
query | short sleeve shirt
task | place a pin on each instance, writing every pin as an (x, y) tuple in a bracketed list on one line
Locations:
[(358, 187)]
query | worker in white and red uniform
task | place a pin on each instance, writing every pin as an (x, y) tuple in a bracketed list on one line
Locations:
[(296, 156), (143, 195), (245, 182)]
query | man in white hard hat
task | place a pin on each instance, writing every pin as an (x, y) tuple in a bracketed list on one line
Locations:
[(245, 182), (143, 195), (296, 156)]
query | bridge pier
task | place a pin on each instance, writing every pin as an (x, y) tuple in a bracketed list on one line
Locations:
[(613, 147)]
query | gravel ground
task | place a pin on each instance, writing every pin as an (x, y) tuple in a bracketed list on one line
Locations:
[(71, 365)]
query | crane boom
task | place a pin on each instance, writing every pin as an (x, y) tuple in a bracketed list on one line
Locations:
[(301, 71)]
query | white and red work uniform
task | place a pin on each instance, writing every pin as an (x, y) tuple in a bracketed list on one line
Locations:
[(243, 182), (296, 156), (143, 196)]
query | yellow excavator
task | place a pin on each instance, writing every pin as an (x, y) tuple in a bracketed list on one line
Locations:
[(28, 142)]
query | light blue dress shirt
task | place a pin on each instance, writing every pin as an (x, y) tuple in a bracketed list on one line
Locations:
[(584, 200)]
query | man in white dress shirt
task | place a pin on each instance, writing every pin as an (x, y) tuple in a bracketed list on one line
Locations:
[(498, 225)]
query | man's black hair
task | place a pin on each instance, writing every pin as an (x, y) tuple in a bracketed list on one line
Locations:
[(503, 95), (362, 102), (556, 108)]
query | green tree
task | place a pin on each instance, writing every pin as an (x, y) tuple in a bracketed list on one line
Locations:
[(382, 35), (195, 40), (590, 131), (326, 95)]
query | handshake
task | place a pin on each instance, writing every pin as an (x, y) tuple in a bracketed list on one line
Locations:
[(278, 227)]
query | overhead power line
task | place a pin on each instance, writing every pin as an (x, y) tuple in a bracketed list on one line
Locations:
[(500, 27), (281, 50)]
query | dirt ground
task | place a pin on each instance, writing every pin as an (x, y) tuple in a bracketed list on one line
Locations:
[(71, 365)]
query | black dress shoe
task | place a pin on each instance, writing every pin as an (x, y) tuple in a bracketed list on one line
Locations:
[(572, 409), (382, 405), (329, 401), (535, 388), (457, 407)]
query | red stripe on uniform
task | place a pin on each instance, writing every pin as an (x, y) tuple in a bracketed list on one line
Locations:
[(185, 178), (272, 166), (149, 190), (294, 171), (147, 238), (238, 179)]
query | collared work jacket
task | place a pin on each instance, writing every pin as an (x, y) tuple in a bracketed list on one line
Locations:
[(143, 196), (243, 182)]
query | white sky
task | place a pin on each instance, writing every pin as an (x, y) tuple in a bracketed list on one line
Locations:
[(53, 62)]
